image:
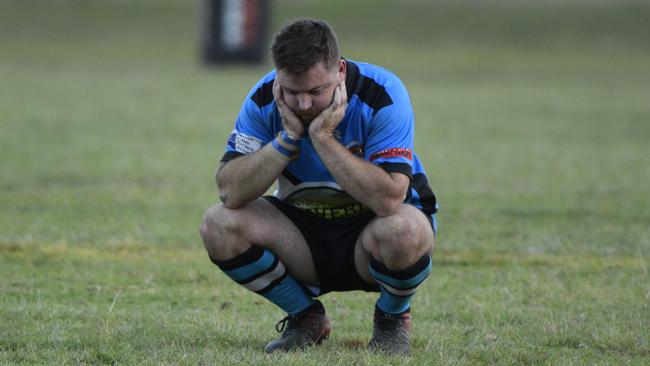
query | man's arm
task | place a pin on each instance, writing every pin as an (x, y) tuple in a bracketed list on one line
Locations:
[(369, 184), (247, 177)]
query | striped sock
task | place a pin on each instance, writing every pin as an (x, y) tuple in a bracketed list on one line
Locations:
[(398, 287), (261, 271)]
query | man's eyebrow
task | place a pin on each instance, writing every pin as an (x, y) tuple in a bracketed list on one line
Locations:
[(324, 85)]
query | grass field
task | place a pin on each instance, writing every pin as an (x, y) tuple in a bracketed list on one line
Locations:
[(533, 121)]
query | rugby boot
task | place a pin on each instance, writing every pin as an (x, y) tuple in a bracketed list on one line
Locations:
[(309, 327), (391, 333)]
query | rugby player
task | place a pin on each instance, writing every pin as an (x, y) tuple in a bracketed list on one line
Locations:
[(352, 210)]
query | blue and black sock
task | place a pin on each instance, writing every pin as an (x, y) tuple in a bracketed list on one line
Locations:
[(261, 271), (398, 287)]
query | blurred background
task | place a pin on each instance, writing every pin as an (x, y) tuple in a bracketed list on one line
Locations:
[(532, 120), (532, 117)]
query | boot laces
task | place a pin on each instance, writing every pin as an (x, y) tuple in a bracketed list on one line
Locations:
[(279, 327), (290, 323), (390, 328)]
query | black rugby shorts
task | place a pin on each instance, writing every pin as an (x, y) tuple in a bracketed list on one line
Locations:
[(331, 243)]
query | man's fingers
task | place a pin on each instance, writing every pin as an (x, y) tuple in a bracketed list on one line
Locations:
[(344, 92), (276, 87), (277, 94), (336, 100), (285, 112), (340, 98)]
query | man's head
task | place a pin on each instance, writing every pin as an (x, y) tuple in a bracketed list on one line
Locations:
[(309, 66), (303, 44)]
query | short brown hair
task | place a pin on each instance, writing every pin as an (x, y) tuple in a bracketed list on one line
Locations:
[(303, 44)]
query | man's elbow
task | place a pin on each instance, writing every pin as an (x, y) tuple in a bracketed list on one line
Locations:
[(387, 207), (228, 199), (231, 204), (389, 203), (225, 195)]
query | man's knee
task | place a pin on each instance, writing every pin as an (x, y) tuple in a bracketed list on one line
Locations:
[(402, 239), (399, 233), (219, 228)]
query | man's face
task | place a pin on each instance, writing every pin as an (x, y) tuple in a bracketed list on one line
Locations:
[(309, 93)]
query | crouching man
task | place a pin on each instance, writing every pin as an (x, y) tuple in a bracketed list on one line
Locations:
[(353, 209)]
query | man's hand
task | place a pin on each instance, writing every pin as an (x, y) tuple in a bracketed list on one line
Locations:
[(290, 122), (325, 123)]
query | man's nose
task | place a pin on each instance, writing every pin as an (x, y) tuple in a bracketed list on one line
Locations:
[(304, 102)]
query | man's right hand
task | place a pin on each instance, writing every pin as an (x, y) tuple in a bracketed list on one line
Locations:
[(290, 122)]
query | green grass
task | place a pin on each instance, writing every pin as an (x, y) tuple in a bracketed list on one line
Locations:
[(533, 122)]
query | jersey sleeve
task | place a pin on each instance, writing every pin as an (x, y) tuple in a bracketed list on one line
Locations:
[(390, 141), (252, 128)]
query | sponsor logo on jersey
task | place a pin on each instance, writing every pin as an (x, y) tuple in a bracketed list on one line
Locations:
[(325, 202), (243, 143), (329, 212)]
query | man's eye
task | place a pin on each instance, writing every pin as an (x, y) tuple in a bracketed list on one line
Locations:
[(316, 92)]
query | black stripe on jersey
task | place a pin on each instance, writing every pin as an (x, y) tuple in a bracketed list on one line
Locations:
[(230, 155), (368, 90), (427, 198), (290, 177), (397, 168), (264, 94)]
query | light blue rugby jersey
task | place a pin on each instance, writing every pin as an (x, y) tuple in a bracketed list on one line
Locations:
[(377, 127)]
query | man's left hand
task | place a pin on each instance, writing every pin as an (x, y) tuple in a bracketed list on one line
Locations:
[(325, 123)]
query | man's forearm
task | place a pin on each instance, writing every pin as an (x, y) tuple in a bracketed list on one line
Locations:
[(247, 177), (366, 182)]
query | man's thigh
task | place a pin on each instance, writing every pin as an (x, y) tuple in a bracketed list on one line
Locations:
[(385, 228), (265, 226)]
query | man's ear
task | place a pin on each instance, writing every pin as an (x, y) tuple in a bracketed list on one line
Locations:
[(343, 66)]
